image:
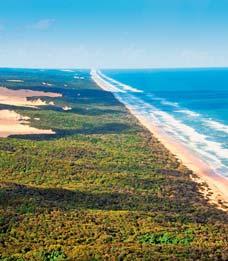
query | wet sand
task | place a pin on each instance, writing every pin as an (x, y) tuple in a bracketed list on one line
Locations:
[(216, 183), (103, 84)]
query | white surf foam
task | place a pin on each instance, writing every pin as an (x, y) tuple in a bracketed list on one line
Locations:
[(17, 81), (189, 113), (216, 126), (66, 70), (79, 77), (210, 151), (165, 102), (119, 84), (196, 138), (105, 85)]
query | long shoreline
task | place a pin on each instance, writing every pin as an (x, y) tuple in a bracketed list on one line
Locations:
[(216, 183)]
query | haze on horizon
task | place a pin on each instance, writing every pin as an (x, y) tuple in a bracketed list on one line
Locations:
[(114, 33)]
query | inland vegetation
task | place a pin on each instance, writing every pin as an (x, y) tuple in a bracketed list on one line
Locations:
[(100, 187)]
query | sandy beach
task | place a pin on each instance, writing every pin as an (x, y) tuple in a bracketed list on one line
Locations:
[(217, 184), (103, 84)]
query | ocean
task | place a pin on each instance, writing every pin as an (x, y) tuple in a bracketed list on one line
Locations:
[(191, 105)]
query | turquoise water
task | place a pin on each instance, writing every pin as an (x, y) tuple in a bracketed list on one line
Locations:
[(189, 104)]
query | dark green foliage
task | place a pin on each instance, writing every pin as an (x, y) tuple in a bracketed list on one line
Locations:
[(166, 238), (101, 188), (11, 259), (55, 255), (26, 208)]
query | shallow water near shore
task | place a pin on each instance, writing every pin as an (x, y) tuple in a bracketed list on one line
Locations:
[(191, 105)]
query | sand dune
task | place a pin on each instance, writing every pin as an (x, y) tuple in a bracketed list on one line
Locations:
[(13, 123), (20, 97)]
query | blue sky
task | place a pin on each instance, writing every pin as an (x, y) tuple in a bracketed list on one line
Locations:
[(113, 33)]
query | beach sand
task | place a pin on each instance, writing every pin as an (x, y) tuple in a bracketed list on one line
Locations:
[(12, 123), (217, 184), (103, 84), (20, 97)]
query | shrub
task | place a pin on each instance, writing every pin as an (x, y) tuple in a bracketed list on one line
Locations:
[(11, 259), (166, 238), (55, 255), (26, 208)]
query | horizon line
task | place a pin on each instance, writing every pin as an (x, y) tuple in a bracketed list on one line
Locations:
[(116, 68)]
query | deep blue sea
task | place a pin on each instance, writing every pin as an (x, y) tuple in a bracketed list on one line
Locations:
[(189, 104)]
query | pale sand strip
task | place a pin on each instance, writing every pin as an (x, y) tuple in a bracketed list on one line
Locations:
[(217, 183), (103, 84), (12, 123), (19, 97)]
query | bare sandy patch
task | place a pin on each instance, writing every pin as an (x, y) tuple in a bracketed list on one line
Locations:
[(20, 97), (12, 123)]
